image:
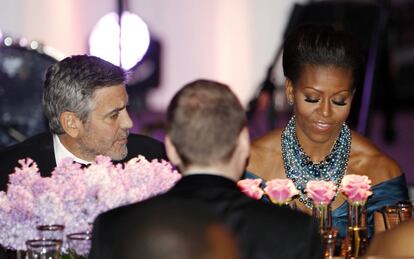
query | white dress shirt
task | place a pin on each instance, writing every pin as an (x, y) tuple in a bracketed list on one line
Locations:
[(61, 152)]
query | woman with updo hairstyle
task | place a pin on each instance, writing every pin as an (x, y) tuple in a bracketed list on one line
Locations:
[(322, 67)]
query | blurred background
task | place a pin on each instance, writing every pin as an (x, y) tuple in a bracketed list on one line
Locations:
[(167, 43)]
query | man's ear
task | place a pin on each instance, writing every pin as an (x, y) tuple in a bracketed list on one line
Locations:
[(70, 123), (172, 153), (244, 143)]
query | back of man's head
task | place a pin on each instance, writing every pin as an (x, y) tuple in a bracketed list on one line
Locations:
[(70, 84), (205, 119)]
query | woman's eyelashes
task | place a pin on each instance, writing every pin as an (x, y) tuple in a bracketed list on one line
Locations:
[(315, 100), (311, 100), (340, 103)]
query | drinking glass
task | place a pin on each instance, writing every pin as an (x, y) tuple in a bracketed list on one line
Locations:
[(390, 215), (405, 210), (329, 242), (357, 234), (50, 232), (44, 249), (79, 245)]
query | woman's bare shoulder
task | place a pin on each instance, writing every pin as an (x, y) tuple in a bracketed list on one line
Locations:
[(366, 158), (269, 141), (265, 155)]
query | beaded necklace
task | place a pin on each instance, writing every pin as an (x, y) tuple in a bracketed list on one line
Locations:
[(299, 167)]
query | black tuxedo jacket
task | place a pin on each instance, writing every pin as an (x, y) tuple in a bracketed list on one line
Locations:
[(40, 149), (262, 230)]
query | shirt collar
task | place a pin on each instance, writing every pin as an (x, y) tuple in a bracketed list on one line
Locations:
[(61, 152)]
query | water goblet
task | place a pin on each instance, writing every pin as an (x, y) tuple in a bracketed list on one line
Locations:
[(53, 231), (79, 245), (44, 249)]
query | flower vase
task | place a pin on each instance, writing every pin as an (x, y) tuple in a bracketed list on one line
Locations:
[(323, 213), (357, 234)]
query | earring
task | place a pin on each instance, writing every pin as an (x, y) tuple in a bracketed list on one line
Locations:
[(290, 102)]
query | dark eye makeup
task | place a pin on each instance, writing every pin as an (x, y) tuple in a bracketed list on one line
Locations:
[(311, 100), (340, 103), (336, 102)]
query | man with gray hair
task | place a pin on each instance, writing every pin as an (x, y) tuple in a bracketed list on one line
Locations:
[(207, 139), (85, 102)]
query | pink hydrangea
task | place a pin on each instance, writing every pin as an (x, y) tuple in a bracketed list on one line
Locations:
[(26, 174), (357, 188), (251, 187), (280, 191), (73, 196), (321, 192), (65, 169)]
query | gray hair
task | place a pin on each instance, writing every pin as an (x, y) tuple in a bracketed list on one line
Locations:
[(204, 116), (70, 85)]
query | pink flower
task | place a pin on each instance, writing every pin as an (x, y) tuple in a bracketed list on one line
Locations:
[(66, 168), (74, 196), (4, 202), (321, 192), (26, 174), (251, 187), (356, 187), (280, 191)]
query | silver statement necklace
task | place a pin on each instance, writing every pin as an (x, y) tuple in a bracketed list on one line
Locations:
[(300, 168)]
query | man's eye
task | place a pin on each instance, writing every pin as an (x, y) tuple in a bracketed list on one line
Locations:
[(311, 100), (114, 116)]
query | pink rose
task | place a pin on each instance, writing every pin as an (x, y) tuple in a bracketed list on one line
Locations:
[(356, 187), (280, 191), (251, 187), (321, 192)]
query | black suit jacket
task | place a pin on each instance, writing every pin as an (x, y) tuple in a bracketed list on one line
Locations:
[(262, 230), (40, 149)]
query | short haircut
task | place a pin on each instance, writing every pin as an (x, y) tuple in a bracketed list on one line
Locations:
[(205, 119), (321, 45), (70, 85)]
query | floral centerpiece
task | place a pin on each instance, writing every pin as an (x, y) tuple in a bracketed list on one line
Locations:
[(279, 191), (74, 196)]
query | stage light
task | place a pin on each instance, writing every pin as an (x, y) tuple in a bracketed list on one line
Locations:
[(8, 41), (23, 42), (34, 45), (106, 37)]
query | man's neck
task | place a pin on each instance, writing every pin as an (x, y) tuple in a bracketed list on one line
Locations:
[(223, 171), (61, 152)]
